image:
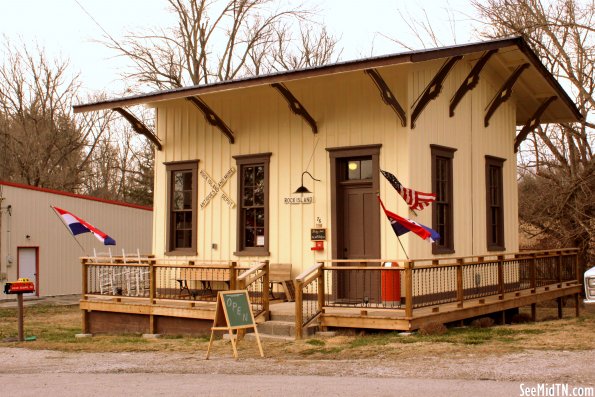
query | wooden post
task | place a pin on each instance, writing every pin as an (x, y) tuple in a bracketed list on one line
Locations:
[(20, 316), (408, 289), (299, 319), (321, 289), (500, 278), (152, 282), (559, 268), (233, 276), (460, 289), (265, 289), (579, 278), (85, 291), (559, 308), (577, 305), (533, 312), (532, 265)]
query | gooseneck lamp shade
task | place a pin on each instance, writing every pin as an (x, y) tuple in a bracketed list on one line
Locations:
[(302, 188)]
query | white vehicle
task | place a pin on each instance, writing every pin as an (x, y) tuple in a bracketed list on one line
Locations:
[(590, 285)]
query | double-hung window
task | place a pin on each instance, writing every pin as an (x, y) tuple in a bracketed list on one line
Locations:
[(442, 208), (253, 204), (494, 204), (182, 207)]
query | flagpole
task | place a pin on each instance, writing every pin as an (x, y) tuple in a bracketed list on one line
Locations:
[(398, 238), (69, 231)]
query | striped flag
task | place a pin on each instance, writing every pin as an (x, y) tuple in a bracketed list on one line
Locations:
[(77, 226), (401, 226), (414, 199)]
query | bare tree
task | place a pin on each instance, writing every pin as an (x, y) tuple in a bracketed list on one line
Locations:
[(556, 166), (41, 142), (222, 40)]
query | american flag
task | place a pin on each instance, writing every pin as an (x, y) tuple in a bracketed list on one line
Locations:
[(414, 199)]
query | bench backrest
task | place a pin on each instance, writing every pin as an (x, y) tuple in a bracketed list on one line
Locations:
[(279, 271)]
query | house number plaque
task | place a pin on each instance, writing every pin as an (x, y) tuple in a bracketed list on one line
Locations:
[(216, 186)]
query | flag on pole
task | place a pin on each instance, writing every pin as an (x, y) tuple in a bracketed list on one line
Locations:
[(414, 199), (79, 226), (401, 226)]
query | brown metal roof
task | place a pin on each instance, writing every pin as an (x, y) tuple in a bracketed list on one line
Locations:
[(564, 111)]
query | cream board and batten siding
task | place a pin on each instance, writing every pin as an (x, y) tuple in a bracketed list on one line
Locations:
[(59, 254), (349, 112), (465, 132)]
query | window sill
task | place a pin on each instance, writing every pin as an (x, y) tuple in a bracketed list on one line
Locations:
[(442, 251), (496, 248), (252, 253), (181, 253)]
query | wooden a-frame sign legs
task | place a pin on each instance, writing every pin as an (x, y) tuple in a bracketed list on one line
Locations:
[(233, 313)]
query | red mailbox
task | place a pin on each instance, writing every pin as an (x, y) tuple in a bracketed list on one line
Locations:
[(318, 246), (21, 286)]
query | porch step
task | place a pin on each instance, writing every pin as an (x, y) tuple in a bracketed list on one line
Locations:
[(278, 328)]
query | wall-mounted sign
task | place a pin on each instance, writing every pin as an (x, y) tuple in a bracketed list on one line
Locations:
[(217, 188), (317, 234), (299, 200)]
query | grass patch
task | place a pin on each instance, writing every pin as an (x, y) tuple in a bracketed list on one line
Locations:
[(315, 342), (324, 351)]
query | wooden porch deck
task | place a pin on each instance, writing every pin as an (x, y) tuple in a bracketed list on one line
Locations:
[(396, 319)]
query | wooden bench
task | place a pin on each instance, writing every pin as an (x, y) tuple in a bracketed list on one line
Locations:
[(205, 276), (280, 274)]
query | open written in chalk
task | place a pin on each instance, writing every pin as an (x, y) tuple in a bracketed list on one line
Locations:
[(233, 313)]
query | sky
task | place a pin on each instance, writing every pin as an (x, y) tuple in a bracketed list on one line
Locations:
[(65, 30)]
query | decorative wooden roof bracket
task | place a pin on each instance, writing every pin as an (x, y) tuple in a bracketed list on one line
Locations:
[(532, 123), (504, 93), (139, 126), (433, 89), (387, 96), (212, 117), (471, 81), (296, 107)]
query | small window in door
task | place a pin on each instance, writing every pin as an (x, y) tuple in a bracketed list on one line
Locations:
[(359, 169)]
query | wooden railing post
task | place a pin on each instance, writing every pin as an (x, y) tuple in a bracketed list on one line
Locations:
[(559, 268), (321, 289), (579, 276), (85, 291), (532, 265), (460, 290), (152, 281), (408, 289), (299, 303), (500, 277), (265, 289), (233, 276)]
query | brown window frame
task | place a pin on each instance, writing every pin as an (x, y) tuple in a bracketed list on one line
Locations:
[(243, 161), (170, 168), (446, 243), (494, 244)]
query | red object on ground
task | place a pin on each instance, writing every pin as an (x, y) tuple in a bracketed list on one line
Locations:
[(391, 284)]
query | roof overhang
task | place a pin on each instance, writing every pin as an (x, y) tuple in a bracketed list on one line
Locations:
[(534, 87)]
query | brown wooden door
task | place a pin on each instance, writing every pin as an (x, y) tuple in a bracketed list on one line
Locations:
[(359, 233)]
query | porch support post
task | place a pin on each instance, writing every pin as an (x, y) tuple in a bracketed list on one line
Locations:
[(559, 308), (433, 89), (408, 289), (577, 303), (504, 93), (470, 82), (460, 289), (532, 265), (152, 293), (233, 276), (532, 123), (387, 96), (321, 288), (299, 302), (139, 126), (85, 313), (266, 289), (500, 277), (212, 117), (296, 107), (533, 312)]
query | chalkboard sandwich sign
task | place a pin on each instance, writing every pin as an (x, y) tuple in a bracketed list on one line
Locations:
[(233, 313)]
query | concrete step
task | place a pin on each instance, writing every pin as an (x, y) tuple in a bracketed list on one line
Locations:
[(280, 316), (283, 329)]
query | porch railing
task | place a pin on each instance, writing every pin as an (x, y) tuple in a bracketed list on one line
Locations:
[(413, 284), (173, 280)]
